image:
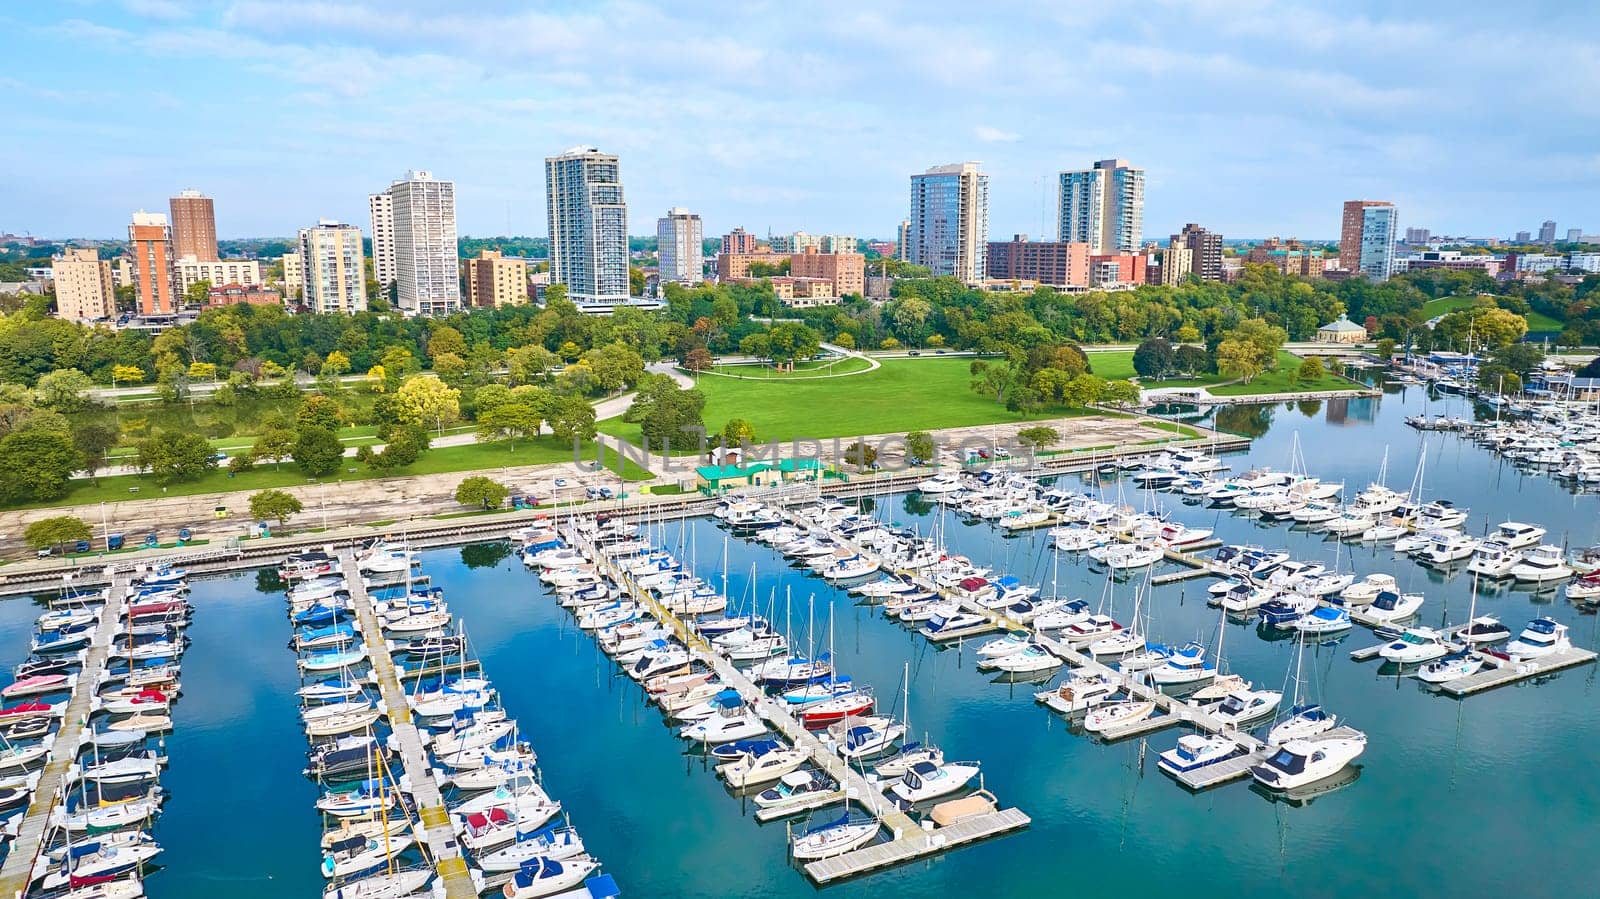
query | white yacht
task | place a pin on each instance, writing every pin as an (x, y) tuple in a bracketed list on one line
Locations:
[(1542, 564), (1493, 559), (1391, 607), (1197, 751), (927, 780), (1079, 694), (1448, 549), (1515, 534), (1416, 645), (1301, 762), (1367, 589), (1113, 714), (1243, 706), (1541, 637)]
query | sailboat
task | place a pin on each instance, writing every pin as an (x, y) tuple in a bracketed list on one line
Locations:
[(1458, 664), (1303, 719)]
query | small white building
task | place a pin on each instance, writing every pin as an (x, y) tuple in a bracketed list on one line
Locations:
[(1342, 330)]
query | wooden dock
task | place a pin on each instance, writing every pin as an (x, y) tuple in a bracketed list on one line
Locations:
[(1501, 671), (435, 829), (917, 845), (16, 875)]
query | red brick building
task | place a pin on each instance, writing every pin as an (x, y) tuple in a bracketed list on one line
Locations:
[(230, 294)]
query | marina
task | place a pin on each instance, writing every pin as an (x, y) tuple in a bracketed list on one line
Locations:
[(1417, 733)]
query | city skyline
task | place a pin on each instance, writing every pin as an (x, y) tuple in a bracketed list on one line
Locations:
[(1225, 130)]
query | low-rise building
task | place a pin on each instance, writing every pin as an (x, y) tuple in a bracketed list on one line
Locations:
[(1584, 262), (217, 271), (1289, 256), (233, 294), (804, 293), (1172, 264), (495, 280), (736, 266), (756, 474), (1341, 330), (847, 271), (1452, 260), (84, 287)]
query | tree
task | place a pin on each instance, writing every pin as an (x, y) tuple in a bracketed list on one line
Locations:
[(510, 421), (64, 390), (1191, 360), (198, 293), (1385, 348), (1310, 370), (446, 339), (1238, 359), (1120, 392), (1477, 326), (404, 445), (174, 456), (1083, 391), (56, 532), (335, 364), (860, 454), (572, 418), (1038, 436), (698, 359), (427, 401), (1153, 358), (318, 412), (845, 339), (94, 443), (202, 371), (1521, 358), (275, 443), (788, 341), (274, 504), (37, 465), (920, 445), (663, 410), (737, 432), (131, 374), (317, 451), (481, 491)]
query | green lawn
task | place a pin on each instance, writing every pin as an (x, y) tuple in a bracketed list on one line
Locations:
[(1285, 379), (1118, 364), (903, 395), (810, 368), (1443, 305), (471, 457), (1538, 321)]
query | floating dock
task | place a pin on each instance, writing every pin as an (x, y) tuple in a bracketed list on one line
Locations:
[(1503, 671), (907, 840), (16, 875), (435, 829)]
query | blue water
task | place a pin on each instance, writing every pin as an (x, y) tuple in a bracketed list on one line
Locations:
[(1470, 797)]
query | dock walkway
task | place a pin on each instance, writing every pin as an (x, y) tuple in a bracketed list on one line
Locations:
[(1498, 672), (17, 873), (907, 840), (435, 830)]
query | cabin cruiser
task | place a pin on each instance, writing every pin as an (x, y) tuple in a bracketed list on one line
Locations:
[(1448, 549), (1391, 607), (1542, 564), (1493, 559), (1300, 762), (1243, 706), (1301, 721), (1186, 665), (1483, 629), (1451, 667), (1414, 543), (1542, 637), (1109, 715), (1197, 751), (927, 780), (1440, 513), (753, 768), (1515, 534), (1416, 644), (1078, 694), (1366, 590)]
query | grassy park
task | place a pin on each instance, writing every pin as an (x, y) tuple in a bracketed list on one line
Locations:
[(811, 368), (903, 395)]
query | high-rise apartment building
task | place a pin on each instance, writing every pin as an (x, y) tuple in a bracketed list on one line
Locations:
[(588, 225), (680, 245), (188, 271), (1176, 262), (738, 241), (335, 272), (380, 209), (194, 226), (1103, 206), (902, 240), (806, 242), (494, 280), (84, 289), (1574, 235), (150, 243), (422, 242), (294, 275), (1547, 232), (1050, 262), (1366, 238), (1205, 253), (948, 231), (1417, 236)]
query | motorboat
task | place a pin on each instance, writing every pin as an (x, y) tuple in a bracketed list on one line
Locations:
[(1119, 642), (1186, 665), (1301, 721), (1197, 751), (1515, 534), (1109, 715), (736, 724), (545, 876), (1448, 549), (1078, 694), (395, 885), (1493, 559), (1542, 564), (1029, 661), (38, 685), (1391, 607), (1247, 597), (1483, 629), (793, 786), (1300, 762), (1009, 644), (1367, 589), (1418, 541), (860, 737), (1091, 628), (359, 854), (1586, 587), (927, 780), (1542, 637), (1440, 513), (1243, 706), (1416, 645), (1153, 655), (835, 708), (1454, 666), (833, 838), (1285, 610), (1323, 620)]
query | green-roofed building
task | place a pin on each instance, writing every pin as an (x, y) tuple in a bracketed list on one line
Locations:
[(757, 474)]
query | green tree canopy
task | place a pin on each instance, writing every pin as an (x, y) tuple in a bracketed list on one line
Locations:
[(276, 504)]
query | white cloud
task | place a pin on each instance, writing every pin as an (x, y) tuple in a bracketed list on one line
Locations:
[(992, 135)]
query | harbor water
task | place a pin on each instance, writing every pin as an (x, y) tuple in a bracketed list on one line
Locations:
[(1489, 794)]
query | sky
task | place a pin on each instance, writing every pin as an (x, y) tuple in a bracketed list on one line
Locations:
[(1251, 117)]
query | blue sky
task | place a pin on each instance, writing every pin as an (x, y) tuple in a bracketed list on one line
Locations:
[(1251, 117)]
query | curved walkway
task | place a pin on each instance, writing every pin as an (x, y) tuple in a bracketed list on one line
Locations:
[(872, 365)]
